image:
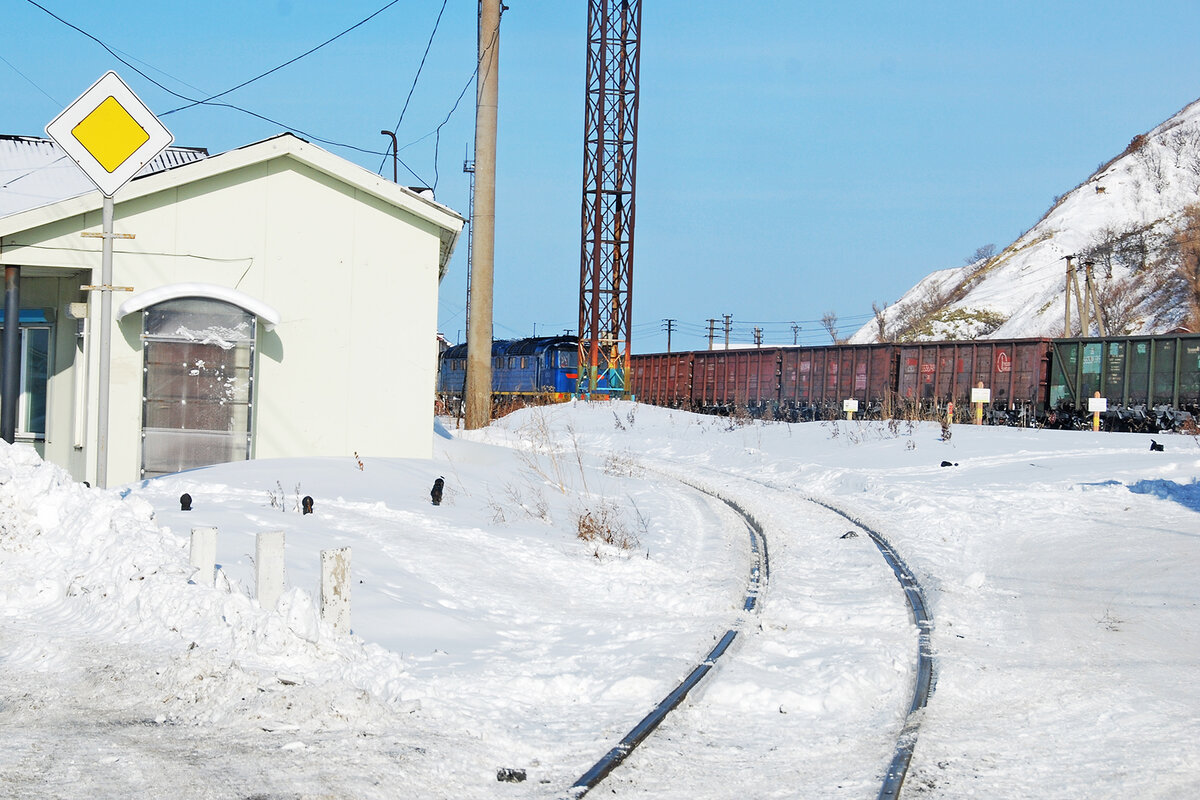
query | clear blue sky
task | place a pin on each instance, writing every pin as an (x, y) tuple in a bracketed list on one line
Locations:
[(794, 157)]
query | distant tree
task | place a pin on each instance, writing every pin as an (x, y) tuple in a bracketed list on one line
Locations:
[(829, 323), (880, 321), (1183, 283), (983, 253)]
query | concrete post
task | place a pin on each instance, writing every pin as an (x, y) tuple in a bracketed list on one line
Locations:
[(268, 568), (335, 588), (478, 391), (204, 555)]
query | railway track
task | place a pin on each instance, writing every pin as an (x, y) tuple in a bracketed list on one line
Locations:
[(759, 573), (896, 771)]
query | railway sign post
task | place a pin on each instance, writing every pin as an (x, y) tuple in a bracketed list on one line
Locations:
[(850, 406), (979, 396), (111, 135), (1097, 405)]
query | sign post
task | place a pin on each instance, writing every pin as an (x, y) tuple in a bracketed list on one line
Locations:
[(850, 406), (111, 135), (979, 396), (1097, 405)]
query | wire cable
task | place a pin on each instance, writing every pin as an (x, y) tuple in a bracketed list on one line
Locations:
[(194, 101), (291, 61), (417, 77)]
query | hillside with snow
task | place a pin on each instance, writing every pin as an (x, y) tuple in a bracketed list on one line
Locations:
[(1130, 218)]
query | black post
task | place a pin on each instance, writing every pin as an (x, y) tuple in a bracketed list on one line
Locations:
[(10, 379)]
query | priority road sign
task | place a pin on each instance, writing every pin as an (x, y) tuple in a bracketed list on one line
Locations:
[(109, 133)]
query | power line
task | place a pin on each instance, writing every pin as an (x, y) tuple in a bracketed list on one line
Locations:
[(417, 77), (289, 62), (193, 101)]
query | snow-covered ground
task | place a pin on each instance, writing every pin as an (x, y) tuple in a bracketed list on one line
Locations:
[(1059, 567)]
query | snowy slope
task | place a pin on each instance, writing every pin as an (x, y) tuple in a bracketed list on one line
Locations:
[(1059, 569), (1145, 188)]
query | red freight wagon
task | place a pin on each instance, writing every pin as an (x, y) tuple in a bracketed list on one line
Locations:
[(1016, 371), (822, 377), (663, 379)]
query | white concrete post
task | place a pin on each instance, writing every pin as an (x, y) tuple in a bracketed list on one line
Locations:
[(204, 555), (335, 588), (268, 568)]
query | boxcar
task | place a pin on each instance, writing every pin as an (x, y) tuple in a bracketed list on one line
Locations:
[(1016, 371), (1129, 371)]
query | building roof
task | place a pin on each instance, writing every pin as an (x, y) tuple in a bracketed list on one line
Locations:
[(35, 172), (50, 164), (415, 202)]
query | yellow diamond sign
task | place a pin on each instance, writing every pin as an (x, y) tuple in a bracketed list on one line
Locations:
[(109, 133)]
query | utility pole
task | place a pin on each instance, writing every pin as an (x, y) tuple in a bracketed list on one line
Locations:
[(728, 325), (1093, 297), (757, 336), (795, 333), (670, 327), (478, 411), (469, 168), (712, 328)]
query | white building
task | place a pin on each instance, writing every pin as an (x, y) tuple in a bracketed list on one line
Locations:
[(283, 303)]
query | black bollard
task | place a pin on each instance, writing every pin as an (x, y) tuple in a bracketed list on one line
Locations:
[(307, 504), (435, 494), (185, 502)]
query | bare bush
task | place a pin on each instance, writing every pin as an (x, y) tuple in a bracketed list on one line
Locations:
[(603, 524)]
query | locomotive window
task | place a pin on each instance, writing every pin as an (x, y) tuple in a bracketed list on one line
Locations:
[(523, 362)]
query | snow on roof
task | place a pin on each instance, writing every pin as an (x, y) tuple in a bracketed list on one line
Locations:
[(34, 171)]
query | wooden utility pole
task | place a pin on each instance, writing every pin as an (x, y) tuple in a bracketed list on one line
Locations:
[(478, 412)]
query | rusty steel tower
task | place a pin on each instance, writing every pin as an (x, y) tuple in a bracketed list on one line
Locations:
[(609, 175)]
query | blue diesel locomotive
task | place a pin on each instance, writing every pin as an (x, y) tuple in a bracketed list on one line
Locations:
[(543, 367)]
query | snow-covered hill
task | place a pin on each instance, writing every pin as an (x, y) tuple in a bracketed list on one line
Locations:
[(1126, 218)]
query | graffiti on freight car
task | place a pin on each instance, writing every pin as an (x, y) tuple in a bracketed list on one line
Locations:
[(1003, 362)]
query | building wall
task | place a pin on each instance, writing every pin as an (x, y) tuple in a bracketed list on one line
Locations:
[(349, 367)]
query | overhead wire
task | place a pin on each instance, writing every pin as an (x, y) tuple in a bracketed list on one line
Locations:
[(395, 128), (291, 61), (209, 101)]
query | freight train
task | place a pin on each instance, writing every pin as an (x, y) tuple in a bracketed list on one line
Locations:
[(1150, 383)]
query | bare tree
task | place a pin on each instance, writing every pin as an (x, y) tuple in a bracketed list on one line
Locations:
[(829, 323), (983, 253), (1183, 283), (880, 321)]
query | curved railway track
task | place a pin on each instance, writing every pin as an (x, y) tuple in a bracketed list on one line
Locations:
[(759, 573), (897, 769), (893, 779)]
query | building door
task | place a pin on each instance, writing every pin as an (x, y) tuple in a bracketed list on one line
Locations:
[(198, 357)]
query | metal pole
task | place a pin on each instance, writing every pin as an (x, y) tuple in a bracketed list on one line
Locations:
[(483, 222), (10, 383), (102, 382), (395, 154)]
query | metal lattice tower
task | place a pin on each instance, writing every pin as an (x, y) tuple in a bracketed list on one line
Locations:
[(609, 174)]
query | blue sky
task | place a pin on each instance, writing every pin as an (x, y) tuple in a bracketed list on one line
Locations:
[(794, 157)]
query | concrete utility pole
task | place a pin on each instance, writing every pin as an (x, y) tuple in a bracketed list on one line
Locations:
[(478, 410), (712, 326), (728, 327), (670, 327)]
